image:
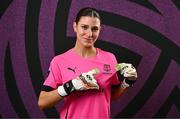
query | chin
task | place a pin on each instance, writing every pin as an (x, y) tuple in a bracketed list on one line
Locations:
[(88, 46)]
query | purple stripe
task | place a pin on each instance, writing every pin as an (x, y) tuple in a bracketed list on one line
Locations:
[(6, 109), (19, 60), (162, 92)]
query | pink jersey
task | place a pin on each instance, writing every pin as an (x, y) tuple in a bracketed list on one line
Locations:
[(84, 104)]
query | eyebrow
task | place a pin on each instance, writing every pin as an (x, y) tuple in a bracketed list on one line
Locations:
[(88, 25)]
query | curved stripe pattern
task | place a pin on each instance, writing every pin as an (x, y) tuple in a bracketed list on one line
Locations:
[(146, 4), (169, 52), (148, 88), (126, 55), (12, 88), (177, 3), (167, 47), (32, 50), (61, 20), (3, 6), (172, 99), (143, 31)]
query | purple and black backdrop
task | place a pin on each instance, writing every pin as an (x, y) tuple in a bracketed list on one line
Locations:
[(145, 33)]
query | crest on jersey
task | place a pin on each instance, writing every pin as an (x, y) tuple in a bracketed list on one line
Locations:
[(106, 68)]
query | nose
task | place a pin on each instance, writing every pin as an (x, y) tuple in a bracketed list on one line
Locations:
[(90, 33)]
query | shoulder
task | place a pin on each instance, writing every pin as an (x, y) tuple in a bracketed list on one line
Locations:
[(106, 53), (62, 57)]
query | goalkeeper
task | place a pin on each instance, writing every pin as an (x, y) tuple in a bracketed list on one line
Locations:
[(85, 77)]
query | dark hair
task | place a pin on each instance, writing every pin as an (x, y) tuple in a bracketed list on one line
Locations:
[(87, 11)]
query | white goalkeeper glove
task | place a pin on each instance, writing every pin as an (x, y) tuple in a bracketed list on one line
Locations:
[(128, 72), (84, 81)]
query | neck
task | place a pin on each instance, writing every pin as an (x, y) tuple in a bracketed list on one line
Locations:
[(85, 52)]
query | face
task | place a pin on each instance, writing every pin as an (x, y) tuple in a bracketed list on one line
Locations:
[(87, 31)]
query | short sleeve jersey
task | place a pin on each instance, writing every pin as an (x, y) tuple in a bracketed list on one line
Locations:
[(89, 103)]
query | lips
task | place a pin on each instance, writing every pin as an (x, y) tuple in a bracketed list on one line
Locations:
[(88, 40)]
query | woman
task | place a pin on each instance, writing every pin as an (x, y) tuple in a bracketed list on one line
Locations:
[(85, 76)]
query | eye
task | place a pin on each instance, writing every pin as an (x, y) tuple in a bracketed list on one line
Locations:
[(84, 27), (95, 29)]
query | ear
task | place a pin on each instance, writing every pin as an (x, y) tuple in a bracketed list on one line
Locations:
[(75, 26)]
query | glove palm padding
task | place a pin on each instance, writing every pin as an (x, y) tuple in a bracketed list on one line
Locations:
[(126, 70), (86, 81)]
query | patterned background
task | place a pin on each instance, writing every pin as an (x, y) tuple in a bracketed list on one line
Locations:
[(142, 32)]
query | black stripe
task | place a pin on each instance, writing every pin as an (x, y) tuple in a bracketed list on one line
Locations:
[(143, 31), (3, 6), (177, 3), (60, 25), (31, 44), (149, 87), (32, 51), (12, 88), (46, 88), (68, 87), (146, 4), (173, 99)]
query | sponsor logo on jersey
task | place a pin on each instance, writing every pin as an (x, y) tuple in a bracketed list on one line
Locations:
[(72, 69)]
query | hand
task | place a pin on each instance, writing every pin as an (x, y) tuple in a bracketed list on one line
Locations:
[(84, 81), (128, 72)]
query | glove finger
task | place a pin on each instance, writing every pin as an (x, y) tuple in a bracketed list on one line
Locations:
[(133, 67), (93, 71), (123, 67), (130, 74), (89, 83), (91, 86)]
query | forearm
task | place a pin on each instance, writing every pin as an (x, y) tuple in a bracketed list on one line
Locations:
[(129, 75), (117, 91), (48, 99)]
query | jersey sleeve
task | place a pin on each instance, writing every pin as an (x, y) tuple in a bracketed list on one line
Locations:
[(54, 78)]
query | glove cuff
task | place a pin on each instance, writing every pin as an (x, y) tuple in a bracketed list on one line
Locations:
[(130, 82), (124, 84), (66, 89), (127, 83), (61, 91)]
